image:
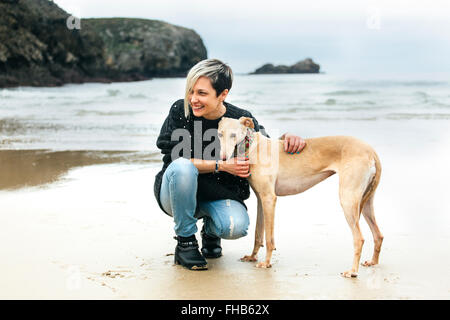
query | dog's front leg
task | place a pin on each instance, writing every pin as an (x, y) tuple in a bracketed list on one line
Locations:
[(259, 232), (268, 203)]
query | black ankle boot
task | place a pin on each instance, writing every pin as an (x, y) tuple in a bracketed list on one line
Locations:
[(187, 254), (210, 245)]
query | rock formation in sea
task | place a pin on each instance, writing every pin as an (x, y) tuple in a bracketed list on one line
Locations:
[(42, 45), (304, 66)]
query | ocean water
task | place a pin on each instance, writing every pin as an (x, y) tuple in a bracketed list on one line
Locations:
[(406, 113)]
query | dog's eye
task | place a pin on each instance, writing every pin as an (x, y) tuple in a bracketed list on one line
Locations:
[(219, 135), (233, 135)]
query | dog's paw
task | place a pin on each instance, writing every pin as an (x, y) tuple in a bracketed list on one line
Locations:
[(349, 274), (263, 264), (248, 259), (368, 263)]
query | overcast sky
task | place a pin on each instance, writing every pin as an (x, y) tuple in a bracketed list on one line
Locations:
[(347, 36)]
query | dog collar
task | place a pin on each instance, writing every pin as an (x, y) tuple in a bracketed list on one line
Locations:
[(244, 146)]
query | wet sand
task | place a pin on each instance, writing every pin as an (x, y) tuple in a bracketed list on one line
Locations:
[(92, 230), (28, 168)]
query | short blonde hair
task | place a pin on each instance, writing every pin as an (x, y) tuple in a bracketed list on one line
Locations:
[(219, 73)]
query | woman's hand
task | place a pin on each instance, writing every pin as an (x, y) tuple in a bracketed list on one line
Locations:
[(293, 144), (236, 166)]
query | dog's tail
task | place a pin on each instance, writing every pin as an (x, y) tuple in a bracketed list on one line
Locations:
[(373, 184)]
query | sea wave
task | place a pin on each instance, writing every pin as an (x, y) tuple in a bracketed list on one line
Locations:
[(112, 92), (8, 142), (390, 116), (14, 126), (394, 83), (286, 119), (421, 116), (421, 93), (422, 83), (439, 104), (337, 118), (82, 113), (328, 106), (348, 92), (137, 96), (288, 110)]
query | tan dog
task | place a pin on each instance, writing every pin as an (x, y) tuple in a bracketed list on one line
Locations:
[(276, 173)]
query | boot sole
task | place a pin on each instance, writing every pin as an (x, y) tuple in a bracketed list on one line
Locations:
[(192, 267)]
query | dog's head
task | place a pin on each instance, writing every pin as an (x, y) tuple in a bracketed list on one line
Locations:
[(231, 132)]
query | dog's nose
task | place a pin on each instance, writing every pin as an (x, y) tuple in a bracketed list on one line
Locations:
[(223, 156)]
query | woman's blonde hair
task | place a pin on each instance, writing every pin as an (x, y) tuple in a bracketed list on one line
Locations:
[(218, 72)]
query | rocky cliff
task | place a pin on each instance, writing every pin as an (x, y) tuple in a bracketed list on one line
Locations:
[(41, 45), (304, 66)]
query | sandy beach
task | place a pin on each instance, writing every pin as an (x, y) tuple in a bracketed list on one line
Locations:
[(93, 230)]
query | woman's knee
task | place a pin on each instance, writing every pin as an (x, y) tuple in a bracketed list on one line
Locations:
[(236, 227), (179, 186), (182, 169)]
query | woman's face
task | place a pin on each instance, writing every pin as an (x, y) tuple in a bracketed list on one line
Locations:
[(204, 101)]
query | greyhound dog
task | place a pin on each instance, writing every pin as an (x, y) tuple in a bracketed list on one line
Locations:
[(275, 173)]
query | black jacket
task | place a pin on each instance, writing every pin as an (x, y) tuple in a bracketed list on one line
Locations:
[(211, 186)]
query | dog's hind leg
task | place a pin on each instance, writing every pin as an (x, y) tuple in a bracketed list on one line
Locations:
[(259, 233), (351, 211), (350, 195), (369, 215)]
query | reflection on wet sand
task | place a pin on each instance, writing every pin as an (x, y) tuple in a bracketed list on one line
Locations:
[(27, 168)]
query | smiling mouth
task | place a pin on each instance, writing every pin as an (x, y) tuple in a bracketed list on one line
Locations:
[(197, 108)]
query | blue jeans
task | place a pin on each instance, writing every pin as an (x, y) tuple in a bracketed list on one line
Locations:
[(227, 219)]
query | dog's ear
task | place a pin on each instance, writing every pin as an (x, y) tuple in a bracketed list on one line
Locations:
[(248, 122)]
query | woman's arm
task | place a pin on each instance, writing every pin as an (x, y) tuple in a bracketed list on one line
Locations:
[(174, 120), (237, 166), (204, 166)]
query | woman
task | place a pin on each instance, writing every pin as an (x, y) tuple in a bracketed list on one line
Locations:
[(196, 185)]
